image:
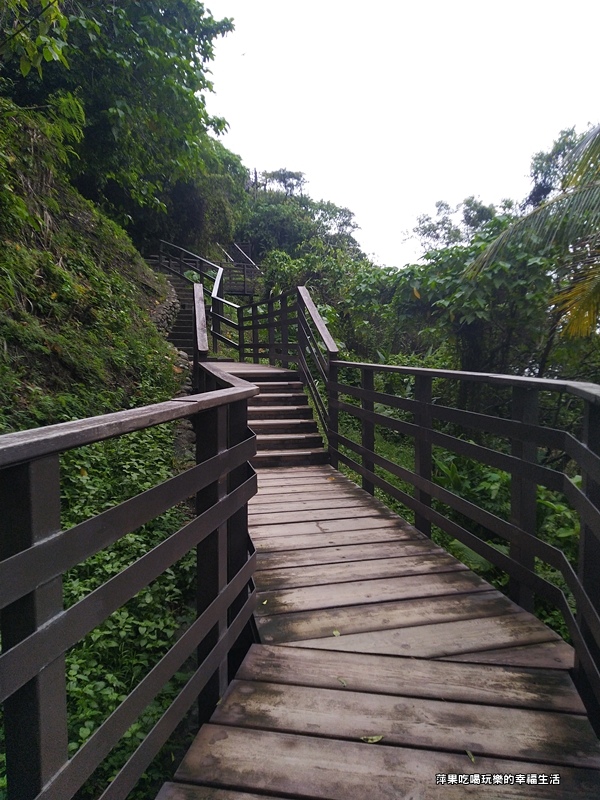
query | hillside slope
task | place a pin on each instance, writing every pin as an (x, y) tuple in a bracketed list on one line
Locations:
[(76, 336)]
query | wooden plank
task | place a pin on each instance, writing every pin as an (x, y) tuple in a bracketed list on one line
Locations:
[(292, 472), (180, 791), (443, 639), (492, 731), (326, 505), (321, 623), (372, 524), (413, 677), (329, 555), (285, 497), (346, 594), (368, 528), (313, 767), (423, 564), (319, 515), (549, 655), (275, 487)]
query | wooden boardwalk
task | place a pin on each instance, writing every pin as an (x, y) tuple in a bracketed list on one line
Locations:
[(387, 669)]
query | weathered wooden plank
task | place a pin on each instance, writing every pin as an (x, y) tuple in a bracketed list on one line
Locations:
[(423, 564), (443, 639), (313, 494), (348, 504), (369, 528), (319, 515), (549, 655), (180, 791), (276, 487), (413, 677), (497, 732), (278, 473), (331, 555), (313, 767), (375, 591), (321, 623)]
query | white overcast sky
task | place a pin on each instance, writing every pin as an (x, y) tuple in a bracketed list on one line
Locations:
[(390, 105)]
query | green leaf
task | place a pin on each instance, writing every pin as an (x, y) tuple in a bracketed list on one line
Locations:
[(25, 66)]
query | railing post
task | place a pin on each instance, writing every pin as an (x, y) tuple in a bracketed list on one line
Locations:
[(333, 413), (238, 541), (368, 429), (523, 494), (271, 331), (255, 339), (35, 716), (589, 559), (423, 456), (217, 305), (211, 554), (241, 334), (285, 332)]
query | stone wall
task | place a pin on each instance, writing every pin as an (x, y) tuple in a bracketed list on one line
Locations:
[(165, 313)]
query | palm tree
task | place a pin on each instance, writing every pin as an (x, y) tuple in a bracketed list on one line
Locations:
[(568, 226)]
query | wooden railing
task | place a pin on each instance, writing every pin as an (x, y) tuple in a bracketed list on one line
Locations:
[(516, 445), (516, 439), (37, 630)]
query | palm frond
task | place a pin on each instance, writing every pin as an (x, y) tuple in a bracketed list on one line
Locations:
[(585, 161), (562, 223), (580, 301)]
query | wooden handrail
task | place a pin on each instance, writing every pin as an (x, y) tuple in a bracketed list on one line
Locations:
[(200, 321), (587, 391), (319, 322), (32, 664), (420, 418)]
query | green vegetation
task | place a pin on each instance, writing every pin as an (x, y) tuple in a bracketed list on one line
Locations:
[(103, 127)]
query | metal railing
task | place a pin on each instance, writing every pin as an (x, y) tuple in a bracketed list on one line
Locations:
[(37, 630)]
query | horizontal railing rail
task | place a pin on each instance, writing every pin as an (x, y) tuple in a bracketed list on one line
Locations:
[(358, 396), (37, 631)]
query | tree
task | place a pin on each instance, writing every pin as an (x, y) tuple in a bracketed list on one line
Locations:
[(280, 219), (139, 69), (290, 182), (33, 33), (453, 225), (566, 228), (549, 169)]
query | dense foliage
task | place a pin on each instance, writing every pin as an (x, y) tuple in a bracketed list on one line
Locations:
[(102, 106), (77, 339)]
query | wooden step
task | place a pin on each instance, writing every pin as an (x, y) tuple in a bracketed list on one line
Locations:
[(279, 412), (289, 441), (291, 425), (272, 399), (290, 458), (278, 387)]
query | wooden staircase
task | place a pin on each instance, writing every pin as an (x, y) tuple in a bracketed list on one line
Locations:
[(181, 334), (286, 432)]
